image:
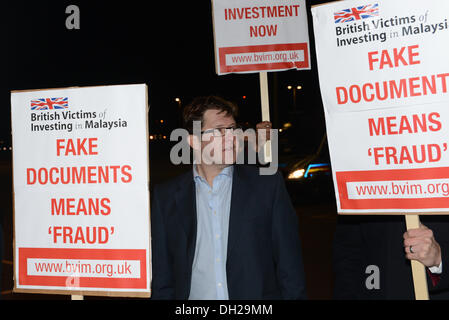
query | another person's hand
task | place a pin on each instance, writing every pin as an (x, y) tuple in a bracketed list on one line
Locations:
[(264, 125), (262, 137), (420, 244)]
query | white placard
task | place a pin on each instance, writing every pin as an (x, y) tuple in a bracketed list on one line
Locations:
[(384, 74), (260, 35), (81, 196)]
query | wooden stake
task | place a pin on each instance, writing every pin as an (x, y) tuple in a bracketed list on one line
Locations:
[(418, 269), (265, 105)]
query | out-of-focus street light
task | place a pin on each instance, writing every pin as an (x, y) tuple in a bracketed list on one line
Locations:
[(294, 89), (179, 111), (297, 174)]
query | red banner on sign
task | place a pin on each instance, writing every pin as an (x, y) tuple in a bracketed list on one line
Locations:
[(394, 189), (88, 268), (263, 57)]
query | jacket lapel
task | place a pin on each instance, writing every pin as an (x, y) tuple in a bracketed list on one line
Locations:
[(186, 210), (240, 187)]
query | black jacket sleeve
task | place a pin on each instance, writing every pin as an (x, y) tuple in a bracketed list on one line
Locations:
[(162, 274), (286, 245), (443, 283), (347, 260)]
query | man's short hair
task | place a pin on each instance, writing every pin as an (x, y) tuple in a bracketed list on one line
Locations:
[(195, 110)]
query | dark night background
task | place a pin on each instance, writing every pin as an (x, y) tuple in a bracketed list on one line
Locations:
[(169, 46)]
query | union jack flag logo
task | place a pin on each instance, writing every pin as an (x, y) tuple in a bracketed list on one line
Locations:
[(50, 103), (357, 13)]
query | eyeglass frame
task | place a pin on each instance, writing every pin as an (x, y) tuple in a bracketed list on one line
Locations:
[(222, 133)]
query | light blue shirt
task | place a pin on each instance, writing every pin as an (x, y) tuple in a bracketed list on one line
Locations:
[(212, 210)]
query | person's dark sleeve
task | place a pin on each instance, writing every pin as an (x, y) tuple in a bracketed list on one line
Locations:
[(162, 274), (347, 263), (442, 280), (287, 245)]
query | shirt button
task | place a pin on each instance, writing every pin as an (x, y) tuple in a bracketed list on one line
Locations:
[(217, 236), (219, 284), (218, 259)]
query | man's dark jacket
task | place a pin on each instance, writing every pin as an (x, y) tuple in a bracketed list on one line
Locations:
[(361, 241), (264, 259)]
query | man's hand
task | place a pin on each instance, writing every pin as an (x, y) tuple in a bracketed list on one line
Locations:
[(424, 248), (264, 125), (261, 136)]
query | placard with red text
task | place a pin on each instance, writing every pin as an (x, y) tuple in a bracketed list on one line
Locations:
[(260, 35), (81, 197), (384, 77)]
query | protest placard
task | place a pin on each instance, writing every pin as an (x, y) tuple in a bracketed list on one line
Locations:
[(383, 70), (259, 36), (254, 36), (81, 191)]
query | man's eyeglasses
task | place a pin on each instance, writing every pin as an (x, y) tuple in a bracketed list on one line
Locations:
[(219, 132)]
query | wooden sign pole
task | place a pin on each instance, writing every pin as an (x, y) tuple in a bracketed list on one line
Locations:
[(418, 269), (265, 105)]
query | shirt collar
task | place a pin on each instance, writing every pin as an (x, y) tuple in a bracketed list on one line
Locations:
[(228, 171)]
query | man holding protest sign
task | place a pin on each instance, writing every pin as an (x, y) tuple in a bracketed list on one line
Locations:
[(371, 257), (385, 105), (223, 231)]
